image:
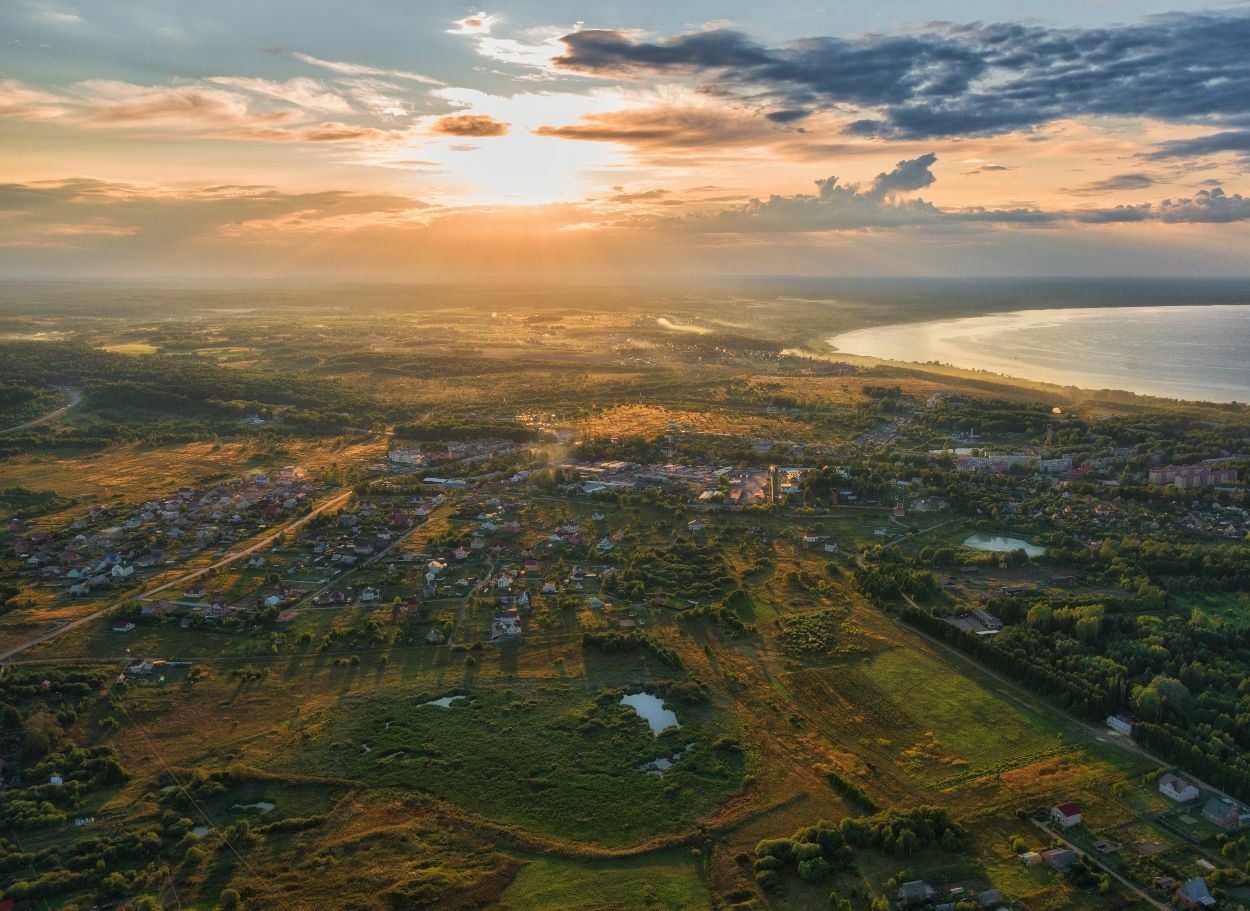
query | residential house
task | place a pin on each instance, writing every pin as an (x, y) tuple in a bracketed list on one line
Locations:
[(1066, 814), (1195, 894), (1223, 814), (1177, 788), (914, 893), (1059, 859), (990, 899)]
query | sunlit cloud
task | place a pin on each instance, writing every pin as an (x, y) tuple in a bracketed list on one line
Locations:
[(477, 125), (476, 24), (360, 69)]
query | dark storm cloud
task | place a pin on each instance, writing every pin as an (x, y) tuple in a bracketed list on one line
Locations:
[(908, 175), (1119, 182), (788, 116), (1228, 141), (948, 80)]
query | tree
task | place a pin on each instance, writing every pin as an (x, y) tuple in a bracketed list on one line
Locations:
[(229, 899)]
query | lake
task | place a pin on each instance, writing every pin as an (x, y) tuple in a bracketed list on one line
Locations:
[(1002, 544), (1196, 353)]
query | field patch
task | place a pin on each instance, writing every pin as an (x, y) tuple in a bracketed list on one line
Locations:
[(938, 728), (964, 726), (555, 759), (658, 882)]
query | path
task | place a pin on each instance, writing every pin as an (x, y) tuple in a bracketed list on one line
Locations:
[(72, 398), (182, 580), (1127, 883)]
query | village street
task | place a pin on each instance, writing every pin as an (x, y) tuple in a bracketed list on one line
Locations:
[(261, 543)]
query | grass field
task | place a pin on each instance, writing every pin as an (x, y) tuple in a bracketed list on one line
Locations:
[(554, 758), (665, 881), (965, 731)]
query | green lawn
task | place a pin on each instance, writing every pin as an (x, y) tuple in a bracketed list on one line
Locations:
[(967, 730), (668, 881)]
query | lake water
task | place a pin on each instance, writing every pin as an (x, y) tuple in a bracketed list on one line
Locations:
[(1195, 353), (1002, 544), (652, 709)]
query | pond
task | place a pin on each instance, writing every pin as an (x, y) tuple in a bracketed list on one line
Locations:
[(444, 702), (263, 805), (1002, 544), (652, 710)]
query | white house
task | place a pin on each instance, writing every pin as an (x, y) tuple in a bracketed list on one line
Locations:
[(1066, 814), (1177, 788)]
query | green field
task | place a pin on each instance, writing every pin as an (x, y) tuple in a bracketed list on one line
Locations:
[(965, 730), (667, 881), (554, 758)]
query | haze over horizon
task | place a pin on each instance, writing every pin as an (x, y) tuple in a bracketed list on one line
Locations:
[(603, 142)]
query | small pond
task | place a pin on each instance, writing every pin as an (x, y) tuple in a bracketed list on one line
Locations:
[(1002, 544), (444, 702), (652, 710)]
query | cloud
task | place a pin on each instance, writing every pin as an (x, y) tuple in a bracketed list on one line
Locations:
[(124, 103), (1211, 144), (988, 168), (912, 174), (29, 103), (674, 126), (882, 204), (360, 69), (220, 107), (788, 116), (946, 80), (476, 24), (151, 218), (301, 92), (1204, 207), (476, 125), (1117, 183)]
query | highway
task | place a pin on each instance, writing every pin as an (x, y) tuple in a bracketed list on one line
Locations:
[(72, 398)]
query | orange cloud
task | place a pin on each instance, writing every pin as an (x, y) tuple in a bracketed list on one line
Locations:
[(474, 125)]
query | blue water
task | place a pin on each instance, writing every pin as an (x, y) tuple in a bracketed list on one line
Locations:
[(1193, 353)]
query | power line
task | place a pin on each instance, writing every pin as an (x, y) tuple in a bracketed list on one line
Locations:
[(198, 806)]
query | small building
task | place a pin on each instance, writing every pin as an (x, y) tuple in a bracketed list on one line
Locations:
[(1120, 723), (1059, 859), (990, 899), (1176, 788), (1223, 814), (1030, 858), (1066, 814), (915, 893), (506, 626), (987, 620), (1195, 894), (124, 627)]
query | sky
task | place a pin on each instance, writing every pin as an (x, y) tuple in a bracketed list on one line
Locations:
[(559, 141)]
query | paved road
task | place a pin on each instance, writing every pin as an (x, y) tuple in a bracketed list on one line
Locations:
[(250, 549), (72, 398)]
